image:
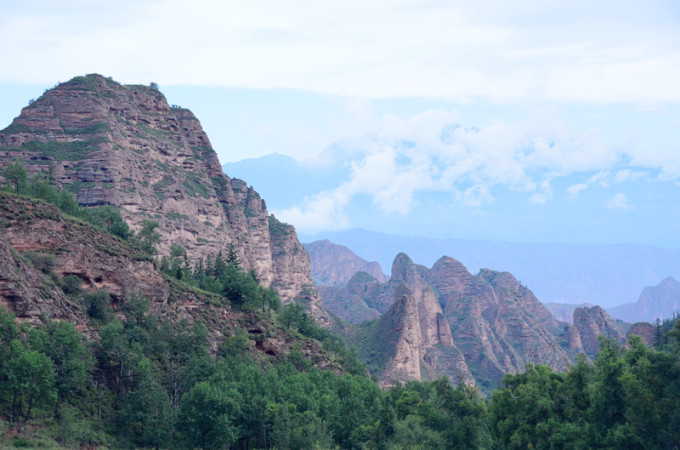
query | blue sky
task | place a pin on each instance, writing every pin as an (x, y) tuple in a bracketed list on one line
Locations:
[(557, 120)]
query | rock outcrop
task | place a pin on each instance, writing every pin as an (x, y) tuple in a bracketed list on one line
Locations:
[(351, 303), (646, 331), (335, 265), (591, 323), (120, 145), (445, 321)]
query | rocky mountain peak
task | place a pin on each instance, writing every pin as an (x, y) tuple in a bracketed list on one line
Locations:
[(403, 269), (125, 146)]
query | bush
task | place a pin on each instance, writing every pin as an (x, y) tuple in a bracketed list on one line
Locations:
[(70, 284), (98, 306)]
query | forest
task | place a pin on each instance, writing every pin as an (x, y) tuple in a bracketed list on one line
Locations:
[(151, 383)]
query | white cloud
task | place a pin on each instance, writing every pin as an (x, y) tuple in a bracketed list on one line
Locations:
[(457, 50), (619, 201), (544, 196), (576, 189), (433, 152), (629, 175), (322, 212), (601, 178)]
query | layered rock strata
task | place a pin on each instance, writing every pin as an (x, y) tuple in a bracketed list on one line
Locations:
[(121, 145)]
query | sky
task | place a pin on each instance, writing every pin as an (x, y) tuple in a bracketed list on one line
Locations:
[(435, 111)]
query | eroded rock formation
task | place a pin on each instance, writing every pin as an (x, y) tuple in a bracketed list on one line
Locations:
[(120, 145)]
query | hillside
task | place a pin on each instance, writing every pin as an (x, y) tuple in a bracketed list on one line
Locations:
[(123, 145), (40, 248)]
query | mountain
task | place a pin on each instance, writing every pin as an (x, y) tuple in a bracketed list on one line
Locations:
[(445, 321), (605, 275), (334, 265), (656, 302), (354, 302), (592, 323), (123, 145)]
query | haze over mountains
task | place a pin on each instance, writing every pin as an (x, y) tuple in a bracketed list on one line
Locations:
[(603, 274)]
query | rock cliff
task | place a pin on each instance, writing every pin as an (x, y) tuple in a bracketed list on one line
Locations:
[(445, 321), (590, 323), (123, 145)]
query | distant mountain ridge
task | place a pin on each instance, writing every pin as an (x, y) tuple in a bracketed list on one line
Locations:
[(606, 275), (655, 302), (564, 312), (335, 265)]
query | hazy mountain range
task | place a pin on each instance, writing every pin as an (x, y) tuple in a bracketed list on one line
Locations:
[(605, 275)]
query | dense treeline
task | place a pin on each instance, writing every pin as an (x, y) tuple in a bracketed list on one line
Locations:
[(629, 398), (151, 383)]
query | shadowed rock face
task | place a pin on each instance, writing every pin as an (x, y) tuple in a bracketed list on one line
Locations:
[(119, 145)]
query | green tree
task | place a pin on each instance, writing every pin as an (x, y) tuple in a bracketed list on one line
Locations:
[(607, 423), (109, 218), (207, 414), (147, 239), (291, 314), (72, 360), (178, 264), (270, 299), (16, 175), (28, 382), (145, 417), (70, 284), (98, 305)]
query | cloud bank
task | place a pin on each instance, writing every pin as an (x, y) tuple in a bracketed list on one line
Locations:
[(433, 152), (564, 51)]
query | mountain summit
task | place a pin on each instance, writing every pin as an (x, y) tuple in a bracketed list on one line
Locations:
[(125, 146)]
